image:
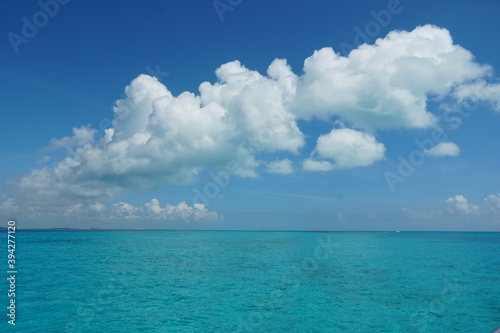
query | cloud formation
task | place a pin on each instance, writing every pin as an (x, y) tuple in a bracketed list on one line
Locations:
[(479, 91), (280, 166), (386, 85), (460, 212), (460, 204), (116, 212), (246, 117), (153, 211), (493, 201), (348, 148), (443, 149)]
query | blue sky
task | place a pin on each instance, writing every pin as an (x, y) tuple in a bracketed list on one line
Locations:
[(319, 139)]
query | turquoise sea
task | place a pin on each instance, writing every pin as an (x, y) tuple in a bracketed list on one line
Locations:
[(232, 281)]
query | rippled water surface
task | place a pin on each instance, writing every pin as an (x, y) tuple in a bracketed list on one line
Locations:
[(228, 281)]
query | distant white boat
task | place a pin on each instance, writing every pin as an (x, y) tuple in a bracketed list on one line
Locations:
[(398, 231)]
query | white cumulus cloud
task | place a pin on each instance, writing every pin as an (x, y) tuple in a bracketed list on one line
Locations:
[(153, 211), (443, 149), (348, 148), (386, 85), (460, 211), (460, 204), (120, 211), (493, 201)]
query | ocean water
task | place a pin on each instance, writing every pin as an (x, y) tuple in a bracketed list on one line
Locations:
[(229, 281)]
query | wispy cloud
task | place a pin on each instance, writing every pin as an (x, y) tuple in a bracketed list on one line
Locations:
[(305, 196)]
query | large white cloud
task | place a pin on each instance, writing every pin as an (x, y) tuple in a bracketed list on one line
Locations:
[(172, 138), (160, 138), (387, 84), (348, 148)]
